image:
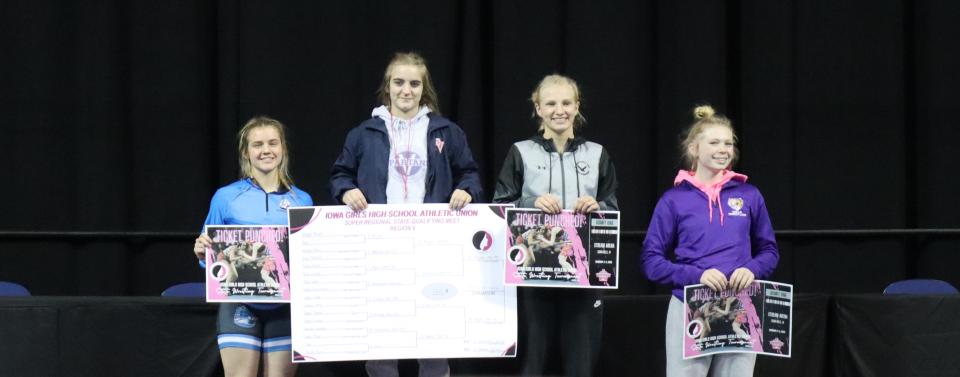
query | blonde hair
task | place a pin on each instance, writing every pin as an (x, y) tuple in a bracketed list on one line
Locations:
[(429, 96), (246, 170), (703, 117), (557, 79)]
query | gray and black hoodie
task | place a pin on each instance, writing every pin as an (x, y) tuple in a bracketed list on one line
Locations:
[(534, 167)]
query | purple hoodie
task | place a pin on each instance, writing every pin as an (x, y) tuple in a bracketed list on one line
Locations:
[(686, 222)]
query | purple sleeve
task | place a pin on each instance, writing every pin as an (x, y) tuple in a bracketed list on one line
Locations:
[(762, 242), (661, 236)]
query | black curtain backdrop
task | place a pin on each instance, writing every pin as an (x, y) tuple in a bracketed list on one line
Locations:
[(121, 115)]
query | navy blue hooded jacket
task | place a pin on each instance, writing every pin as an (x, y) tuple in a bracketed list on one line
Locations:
[(363, 163)]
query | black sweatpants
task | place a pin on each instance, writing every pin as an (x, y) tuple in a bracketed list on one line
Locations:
[(560, 326)]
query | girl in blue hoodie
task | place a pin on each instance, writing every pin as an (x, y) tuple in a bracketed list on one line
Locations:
[(261, 197), (725, 245)]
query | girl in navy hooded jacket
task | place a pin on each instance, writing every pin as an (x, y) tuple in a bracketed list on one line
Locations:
[(718, 227), (406, 153)]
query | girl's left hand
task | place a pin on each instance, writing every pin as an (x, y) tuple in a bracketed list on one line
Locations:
[(741, 278), (586, 204), (459, 198)]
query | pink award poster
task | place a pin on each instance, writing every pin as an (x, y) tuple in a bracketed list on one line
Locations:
[(248, 264), (564, 250)]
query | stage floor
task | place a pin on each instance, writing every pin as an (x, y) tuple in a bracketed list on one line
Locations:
[(839, 335)]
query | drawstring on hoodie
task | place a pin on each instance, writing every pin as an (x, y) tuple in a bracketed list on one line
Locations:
[(550, 185), (576, 172), (713, 195)]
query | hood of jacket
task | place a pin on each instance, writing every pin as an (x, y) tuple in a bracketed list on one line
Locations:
[(711, 190)]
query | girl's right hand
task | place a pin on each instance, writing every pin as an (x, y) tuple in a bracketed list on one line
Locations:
[(714, 279), (548, 203), (200, 246)]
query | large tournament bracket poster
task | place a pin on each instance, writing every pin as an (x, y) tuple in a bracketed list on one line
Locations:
[(564, 250), (247, 263), (400, 282)]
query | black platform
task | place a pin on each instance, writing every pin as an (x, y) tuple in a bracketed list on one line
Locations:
[(843, 335)]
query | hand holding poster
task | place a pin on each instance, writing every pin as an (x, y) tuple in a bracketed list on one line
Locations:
[(758, 319), (563, 250), (247, 264)]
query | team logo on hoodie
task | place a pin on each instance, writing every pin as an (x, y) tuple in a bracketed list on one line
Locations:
[(408, 163), (735, 204), (583, 168)]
